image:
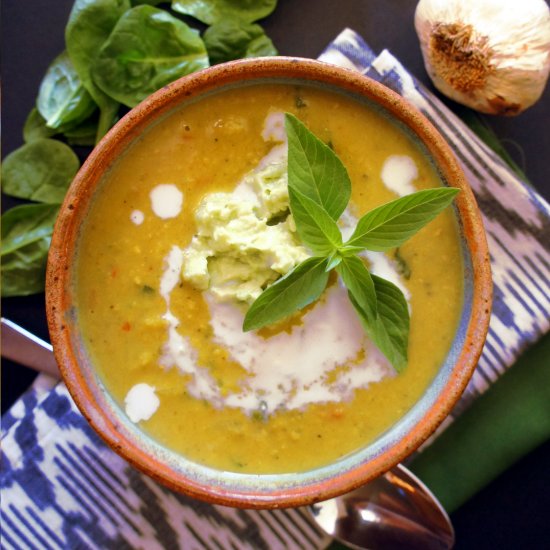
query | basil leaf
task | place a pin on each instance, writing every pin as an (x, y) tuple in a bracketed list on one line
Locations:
[(333, 260), (89, 26), (315, 227), (391, 224), (390, 329), (298, 288), (147, 49), (315, 170), (214, 11), (41, 171), (62, 99), (359, 283), (26, 236), (235, 39)]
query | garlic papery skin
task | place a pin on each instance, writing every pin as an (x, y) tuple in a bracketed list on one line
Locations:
[(491, 55)]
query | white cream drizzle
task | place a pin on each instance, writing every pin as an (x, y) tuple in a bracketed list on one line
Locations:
[(274, 127), (177, 350), (398, 174), (290, 369), (166, 200), (141, 402), (137, 217)]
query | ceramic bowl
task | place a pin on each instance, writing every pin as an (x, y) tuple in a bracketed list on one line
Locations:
[(281, 490)]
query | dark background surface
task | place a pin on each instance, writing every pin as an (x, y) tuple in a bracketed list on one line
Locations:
[(512, 512)]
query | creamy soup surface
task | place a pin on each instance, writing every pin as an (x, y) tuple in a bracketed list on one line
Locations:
[(291, 397)]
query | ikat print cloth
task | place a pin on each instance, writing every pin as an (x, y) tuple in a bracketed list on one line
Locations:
[(63, 489)]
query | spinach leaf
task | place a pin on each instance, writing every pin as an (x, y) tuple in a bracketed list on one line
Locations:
[(314, 169), (390, 329), (234, 39), (82, 135), (77, 134), (214, 11), (62, 99), (147, 49), (391, 224), (298, 288), (26, 235), (40, 170), (89, 26), (35, 127)]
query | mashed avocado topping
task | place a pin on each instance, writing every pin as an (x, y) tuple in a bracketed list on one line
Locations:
[(246, 239)]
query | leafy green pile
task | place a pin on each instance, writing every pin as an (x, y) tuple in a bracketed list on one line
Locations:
[(319, 191), (117, 53)]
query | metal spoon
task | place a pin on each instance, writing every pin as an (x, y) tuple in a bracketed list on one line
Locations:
[(396, 510), (25, 348)]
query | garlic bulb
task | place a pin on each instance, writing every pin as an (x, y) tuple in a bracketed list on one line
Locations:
[(492, 55)]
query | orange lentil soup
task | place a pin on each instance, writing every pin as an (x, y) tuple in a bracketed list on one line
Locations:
[(209, 146)]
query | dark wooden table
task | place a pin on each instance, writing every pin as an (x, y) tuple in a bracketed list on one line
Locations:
[(511, 512)]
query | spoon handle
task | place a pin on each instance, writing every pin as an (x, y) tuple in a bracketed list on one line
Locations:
[(23, 347)]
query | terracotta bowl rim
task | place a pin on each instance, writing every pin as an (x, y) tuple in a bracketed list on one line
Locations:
[(84, 390)]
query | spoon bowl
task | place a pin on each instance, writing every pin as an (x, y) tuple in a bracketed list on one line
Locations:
[(395, 510)]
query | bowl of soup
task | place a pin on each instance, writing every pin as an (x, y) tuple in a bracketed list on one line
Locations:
[(147, 289)]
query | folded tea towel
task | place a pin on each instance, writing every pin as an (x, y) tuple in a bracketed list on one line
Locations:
[(62, 488)]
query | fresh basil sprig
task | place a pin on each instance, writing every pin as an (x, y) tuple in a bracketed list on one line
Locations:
[(319, 191), (297, 289)]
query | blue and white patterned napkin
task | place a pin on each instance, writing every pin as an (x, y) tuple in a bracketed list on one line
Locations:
[(63, 488)]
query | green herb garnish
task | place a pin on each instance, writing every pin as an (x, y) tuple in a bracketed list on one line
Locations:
[(278, 218), (319, 191), (402, 265), (299, 102)]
